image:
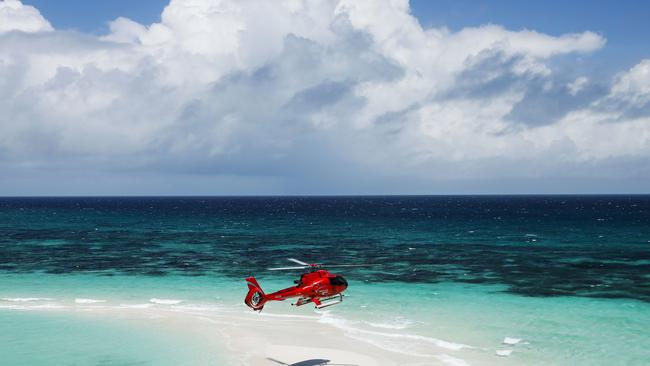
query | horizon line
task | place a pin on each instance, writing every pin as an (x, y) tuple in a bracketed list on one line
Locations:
[(328, 195)]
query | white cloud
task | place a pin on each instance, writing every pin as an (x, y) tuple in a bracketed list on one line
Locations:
[(14, 16), (312, 91), (577, 85), (125, 30), (634, 84)]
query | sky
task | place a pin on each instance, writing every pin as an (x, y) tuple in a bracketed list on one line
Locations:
[(205, 97)]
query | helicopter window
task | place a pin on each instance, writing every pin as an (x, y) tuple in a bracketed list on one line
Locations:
[(338, 281), (300, 281)]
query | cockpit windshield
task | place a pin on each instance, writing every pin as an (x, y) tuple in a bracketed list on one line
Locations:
[(338, 281)]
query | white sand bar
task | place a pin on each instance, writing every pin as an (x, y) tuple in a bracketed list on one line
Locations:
[(277, 339), (282, 338)]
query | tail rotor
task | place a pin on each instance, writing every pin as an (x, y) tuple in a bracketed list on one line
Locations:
[(255, 298)]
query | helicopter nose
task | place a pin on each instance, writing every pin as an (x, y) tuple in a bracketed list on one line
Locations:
[(340, 282)]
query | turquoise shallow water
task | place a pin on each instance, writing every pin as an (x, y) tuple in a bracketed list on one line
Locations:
[(47, 337), (407, 318), (94, 320), (568, 277), (558, 331)]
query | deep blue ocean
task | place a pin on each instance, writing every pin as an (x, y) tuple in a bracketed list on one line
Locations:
[(569, 276)]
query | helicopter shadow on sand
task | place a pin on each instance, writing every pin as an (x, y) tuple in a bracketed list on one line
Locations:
[(312, 362)]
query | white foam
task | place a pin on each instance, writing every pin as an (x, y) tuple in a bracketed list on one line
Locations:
[(387, 326), (395, 323), (503, 352), (194, 307), (165, 301), (449, 360), (25, 299), (511, 341), (87, 301), (397, 348), (291, 316), (45, 306), (135, 306), (341, 324)]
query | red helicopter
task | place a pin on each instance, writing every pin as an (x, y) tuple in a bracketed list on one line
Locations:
[(319, 286)]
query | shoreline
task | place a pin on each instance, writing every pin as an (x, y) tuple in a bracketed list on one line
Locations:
[(446, 324), (252, 339)]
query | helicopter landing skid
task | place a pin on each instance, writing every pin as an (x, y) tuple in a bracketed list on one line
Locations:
[(320, 303), (329, 301), (302, 301)]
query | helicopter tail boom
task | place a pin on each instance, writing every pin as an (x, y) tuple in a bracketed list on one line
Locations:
[(255, 298)]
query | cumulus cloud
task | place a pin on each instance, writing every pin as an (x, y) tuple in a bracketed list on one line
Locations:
[(327, 93), (634, 84), (14, 16)]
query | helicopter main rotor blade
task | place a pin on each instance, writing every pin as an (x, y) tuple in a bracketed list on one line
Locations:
[(350, 265), (297, 261), (286, 268)]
